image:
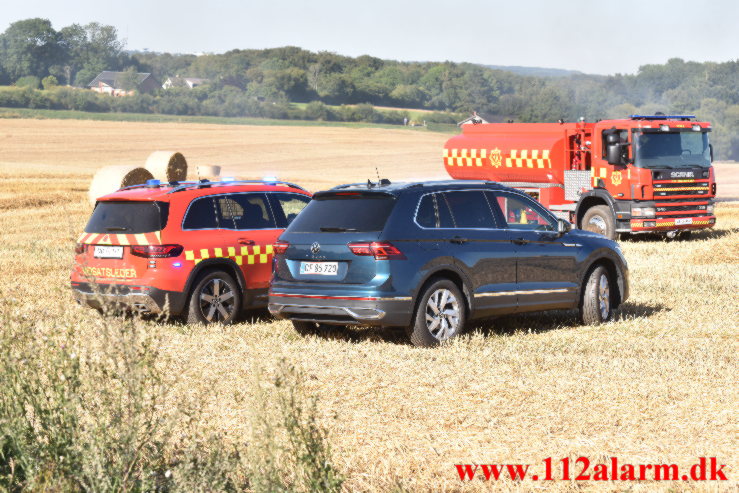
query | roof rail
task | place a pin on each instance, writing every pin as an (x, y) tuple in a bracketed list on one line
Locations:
[(207, 184), (661, 117)]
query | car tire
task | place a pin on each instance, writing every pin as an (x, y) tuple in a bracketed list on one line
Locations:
[(440, 314), (216, 298), (599, 220), (596, 306)]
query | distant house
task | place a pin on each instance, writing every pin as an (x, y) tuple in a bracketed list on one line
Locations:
[(112, 83), (189, 82), (475, 119)]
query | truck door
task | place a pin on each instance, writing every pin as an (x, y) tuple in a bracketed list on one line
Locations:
[(545, 262)]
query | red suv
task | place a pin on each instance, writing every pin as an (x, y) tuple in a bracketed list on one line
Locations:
[(199, 249)]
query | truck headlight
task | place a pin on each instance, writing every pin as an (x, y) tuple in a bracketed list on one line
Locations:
[(643, 211), (709, 208)]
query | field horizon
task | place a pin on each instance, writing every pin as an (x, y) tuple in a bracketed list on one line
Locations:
[(656, 385)]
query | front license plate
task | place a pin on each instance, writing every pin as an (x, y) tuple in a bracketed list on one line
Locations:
[(320, 268), (108, 251), (683, 220)]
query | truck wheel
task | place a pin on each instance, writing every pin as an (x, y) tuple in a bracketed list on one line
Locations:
[(216, 298), (596, 305), (599, 220), (440, 314)]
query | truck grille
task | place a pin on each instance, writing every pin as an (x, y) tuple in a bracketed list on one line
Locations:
[(680, 208), (689, 188)]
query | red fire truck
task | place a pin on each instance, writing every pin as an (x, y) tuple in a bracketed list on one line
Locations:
[(639, 174)]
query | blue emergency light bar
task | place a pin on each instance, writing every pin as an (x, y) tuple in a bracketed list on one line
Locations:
[(661, 117)]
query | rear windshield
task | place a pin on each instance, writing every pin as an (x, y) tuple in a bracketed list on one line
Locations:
[(128, 217), (344, 213)]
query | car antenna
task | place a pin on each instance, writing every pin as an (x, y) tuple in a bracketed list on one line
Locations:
[(378, 174)]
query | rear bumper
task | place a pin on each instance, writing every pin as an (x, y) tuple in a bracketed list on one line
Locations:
[(143, 300), (343, 310)]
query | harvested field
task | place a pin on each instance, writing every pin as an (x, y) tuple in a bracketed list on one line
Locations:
[(657, 385)]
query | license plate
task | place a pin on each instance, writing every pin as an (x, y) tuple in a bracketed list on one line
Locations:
[(108, 251), (320, 268), (683, 220)]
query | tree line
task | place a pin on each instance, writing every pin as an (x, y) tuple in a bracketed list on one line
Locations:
[(264, 83)]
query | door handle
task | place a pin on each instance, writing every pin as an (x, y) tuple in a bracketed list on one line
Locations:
[(520, 241), (245, 241), (458, 240)]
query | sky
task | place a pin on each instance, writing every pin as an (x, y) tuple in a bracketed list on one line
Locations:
[(599, 37)]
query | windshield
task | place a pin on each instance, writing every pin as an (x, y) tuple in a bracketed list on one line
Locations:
[(671, 149)]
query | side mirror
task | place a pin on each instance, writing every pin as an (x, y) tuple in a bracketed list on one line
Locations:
[(710, 148), (563, 226), (614, 154)]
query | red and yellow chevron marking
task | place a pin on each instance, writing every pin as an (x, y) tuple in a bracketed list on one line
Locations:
[(526, 158), (679, 189), (154, 238), (242, 255), (661, 224)]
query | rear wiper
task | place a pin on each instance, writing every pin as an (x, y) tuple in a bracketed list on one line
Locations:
[(116, 228), (337, 230)]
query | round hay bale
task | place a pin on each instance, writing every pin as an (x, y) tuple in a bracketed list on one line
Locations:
[(111, 178), (167, 166), (209, 172)]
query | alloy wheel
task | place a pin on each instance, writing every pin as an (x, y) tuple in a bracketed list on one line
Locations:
[(604, 296), (217, 301), (442, 314)]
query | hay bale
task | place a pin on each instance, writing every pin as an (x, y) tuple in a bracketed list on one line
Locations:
[(209, 172), (111, 178), (167, 166)]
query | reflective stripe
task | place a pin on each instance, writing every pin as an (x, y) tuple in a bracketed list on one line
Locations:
[(529, 291)]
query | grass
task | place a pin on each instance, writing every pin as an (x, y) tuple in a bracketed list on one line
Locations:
[(12, 113), (658, 384)]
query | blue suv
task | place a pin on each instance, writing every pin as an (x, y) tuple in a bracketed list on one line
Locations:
[(430, 256)]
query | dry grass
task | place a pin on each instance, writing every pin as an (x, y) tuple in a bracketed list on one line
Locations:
[(659, 384)]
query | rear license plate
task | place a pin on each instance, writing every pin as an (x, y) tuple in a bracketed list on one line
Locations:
[(108, 251), (320, 268), (683, 220)]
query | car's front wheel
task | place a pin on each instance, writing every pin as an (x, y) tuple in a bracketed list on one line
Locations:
[(596, 306), (216, 298), (440, 314)]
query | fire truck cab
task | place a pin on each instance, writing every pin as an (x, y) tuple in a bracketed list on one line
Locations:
[(633, 175)]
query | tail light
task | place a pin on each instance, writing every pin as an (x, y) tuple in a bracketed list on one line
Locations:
[(280, 247), (79, 248), (156, 251), (380, 250)]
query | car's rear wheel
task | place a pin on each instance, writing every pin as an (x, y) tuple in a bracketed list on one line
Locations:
[(439, 316), (596, 306), (216, 298)]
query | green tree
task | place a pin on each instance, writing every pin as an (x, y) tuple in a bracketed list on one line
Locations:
[(30, 81), (29, 47), (49, 82), (129, 79), (93, 47)]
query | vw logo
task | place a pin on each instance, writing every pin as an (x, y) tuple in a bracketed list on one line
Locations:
[(315, 248)]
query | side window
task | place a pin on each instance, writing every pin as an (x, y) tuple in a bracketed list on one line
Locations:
[(426, 214), (470, 209), (200, 215), (244, 211), (287, 206), (433, 212), (524, 213)]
